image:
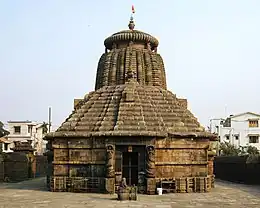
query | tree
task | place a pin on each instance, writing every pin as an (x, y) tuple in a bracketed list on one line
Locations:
[(3, 132), (227, 149), (253, 155), (44, 128), (251, 150)]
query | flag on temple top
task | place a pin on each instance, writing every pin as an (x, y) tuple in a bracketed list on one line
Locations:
[(133, 9)]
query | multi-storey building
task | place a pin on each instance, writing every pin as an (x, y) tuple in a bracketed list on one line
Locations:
[(28, 131), (240, 130)]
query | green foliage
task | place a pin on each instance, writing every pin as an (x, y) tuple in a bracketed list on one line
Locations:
[(252, 150), (253, 158), (228, 149), (44, 128)]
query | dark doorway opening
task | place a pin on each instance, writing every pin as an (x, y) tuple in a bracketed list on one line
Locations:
[(130, 167)]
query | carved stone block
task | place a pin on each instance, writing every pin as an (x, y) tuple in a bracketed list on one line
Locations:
[(110, 185), (150, 161), (151, 186), (110, 172)]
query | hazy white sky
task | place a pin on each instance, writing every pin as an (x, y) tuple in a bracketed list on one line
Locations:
[(49, 52)]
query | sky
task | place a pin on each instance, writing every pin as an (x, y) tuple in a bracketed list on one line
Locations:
[(49, 51)]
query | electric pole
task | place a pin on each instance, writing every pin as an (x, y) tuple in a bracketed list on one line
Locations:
[(49, 123)]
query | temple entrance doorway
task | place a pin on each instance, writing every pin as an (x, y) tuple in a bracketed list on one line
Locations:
[(130, 167), (130, 164)]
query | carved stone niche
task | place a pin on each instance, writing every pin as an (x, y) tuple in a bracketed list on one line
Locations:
[(150, 161), (110, 155)]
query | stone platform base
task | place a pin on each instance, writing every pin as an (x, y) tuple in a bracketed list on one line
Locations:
[(76, 184), (107, 185), (187, 184)]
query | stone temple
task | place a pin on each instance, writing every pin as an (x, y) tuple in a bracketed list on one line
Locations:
[(130, 127)]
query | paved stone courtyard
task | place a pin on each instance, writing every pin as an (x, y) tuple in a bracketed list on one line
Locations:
[(30, 194)]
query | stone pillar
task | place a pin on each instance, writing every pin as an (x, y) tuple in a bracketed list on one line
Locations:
[(110, 170), (211, 165), (211, 157), (150, 170), (211, 171)]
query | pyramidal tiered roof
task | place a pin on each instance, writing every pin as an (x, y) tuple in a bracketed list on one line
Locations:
[(131, 96)]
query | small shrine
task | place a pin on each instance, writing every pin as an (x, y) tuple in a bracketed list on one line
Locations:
[(131, 127)]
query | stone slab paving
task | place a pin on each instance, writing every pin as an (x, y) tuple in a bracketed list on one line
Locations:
[(33, 194)]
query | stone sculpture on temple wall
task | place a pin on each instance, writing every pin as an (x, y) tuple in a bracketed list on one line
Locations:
[(110, 172), (150, 161)]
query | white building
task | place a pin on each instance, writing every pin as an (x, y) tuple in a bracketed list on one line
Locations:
[(27, 130), (240, 130), (5, 145)]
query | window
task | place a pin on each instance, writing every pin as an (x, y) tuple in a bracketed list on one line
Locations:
[(29, 129), (5, 146), (227, 137), (253, 139), (253, 123), (237, 137), (17, 129)]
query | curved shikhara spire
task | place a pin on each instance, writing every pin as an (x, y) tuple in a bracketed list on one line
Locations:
[(119, 65), (131, 55)]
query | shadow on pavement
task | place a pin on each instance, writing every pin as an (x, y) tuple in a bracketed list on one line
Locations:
[(37, 184)]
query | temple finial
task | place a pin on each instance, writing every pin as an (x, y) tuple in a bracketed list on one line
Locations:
[(131, 24)]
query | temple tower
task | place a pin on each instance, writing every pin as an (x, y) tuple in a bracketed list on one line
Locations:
[(131, 126)]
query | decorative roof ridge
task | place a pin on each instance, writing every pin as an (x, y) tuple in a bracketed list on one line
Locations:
[(127, 133)]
